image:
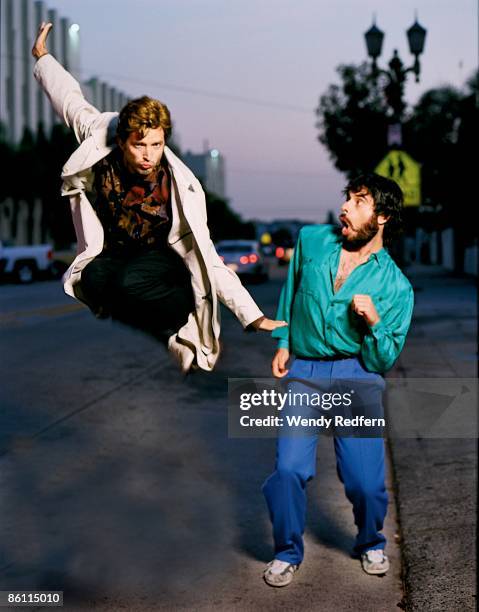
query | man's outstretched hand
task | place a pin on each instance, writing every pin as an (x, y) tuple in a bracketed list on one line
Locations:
[(265, 324), (40, 45)]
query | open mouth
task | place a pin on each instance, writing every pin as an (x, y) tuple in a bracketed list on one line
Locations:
[(345, 226)]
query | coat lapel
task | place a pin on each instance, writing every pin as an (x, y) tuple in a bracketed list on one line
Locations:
[(84, 157), (97, 146)]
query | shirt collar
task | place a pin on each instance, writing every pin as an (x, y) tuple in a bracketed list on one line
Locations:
[(380, 256)]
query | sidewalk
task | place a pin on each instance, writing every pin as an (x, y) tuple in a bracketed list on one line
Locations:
[(435, 480)]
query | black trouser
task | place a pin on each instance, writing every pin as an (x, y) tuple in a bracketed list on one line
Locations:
[(150, 290)]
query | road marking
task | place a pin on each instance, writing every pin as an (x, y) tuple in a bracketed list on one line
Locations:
[(15, 317)]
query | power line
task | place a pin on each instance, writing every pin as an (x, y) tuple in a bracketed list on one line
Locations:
[(212, 94), (196, 92), (239, 170), (223, 96)]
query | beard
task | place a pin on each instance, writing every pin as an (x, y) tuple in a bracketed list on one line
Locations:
[(363, 235)]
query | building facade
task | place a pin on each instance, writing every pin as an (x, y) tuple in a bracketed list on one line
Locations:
[(22, 102), (209, 167)]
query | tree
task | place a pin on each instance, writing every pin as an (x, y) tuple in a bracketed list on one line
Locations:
[(352, 120), (465, 160), (282, 237), (42, 149), (61, 145), (223, 222), (439, 132), (430, 136), (25, 190), (6, 163)]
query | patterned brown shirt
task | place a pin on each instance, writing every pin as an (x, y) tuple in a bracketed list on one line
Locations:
[(135, 212)]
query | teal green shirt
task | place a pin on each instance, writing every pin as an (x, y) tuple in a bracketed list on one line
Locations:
[(322, 323)]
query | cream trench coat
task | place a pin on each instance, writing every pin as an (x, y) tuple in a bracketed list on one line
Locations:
[(196, 344)]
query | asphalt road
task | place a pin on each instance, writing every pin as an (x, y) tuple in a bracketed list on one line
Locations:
[(121, 487)]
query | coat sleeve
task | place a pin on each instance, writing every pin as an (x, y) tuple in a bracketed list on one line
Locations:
[(229, 289), (67, 99), (231, 292)]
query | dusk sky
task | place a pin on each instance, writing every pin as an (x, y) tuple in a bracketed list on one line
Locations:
[(258, 68)]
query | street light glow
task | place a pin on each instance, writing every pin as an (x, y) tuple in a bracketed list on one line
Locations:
[(74, 28), (214, 153)]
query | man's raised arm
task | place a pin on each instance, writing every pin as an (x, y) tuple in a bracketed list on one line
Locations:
[(63, 90)]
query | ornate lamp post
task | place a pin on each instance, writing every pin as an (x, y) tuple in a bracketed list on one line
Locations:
[(399, 165), (396, 74)]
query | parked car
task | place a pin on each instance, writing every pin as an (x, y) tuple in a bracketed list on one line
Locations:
[(244, 257), (24, 264), (283, 254)]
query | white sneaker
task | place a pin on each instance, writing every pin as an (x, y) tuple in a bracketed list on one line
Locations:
[(279, 573), (375, 562)]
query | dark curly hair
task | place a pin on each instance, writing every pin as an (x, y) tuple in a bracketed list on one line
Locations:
[(388, 201)]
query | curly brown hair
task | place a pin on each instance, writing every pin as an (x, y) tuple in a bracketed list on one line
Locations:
[(141, 114), (388, 201)]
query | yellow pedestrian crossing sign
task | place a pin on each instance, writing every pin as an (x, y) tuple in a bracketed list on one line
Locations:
[(406, 171)]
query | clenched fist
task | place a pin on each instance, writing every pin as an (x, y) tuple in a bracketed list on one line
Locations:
[(363, 305)]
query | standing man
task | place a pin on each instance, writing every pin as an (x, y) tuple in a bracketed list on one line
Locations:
[(349, 308), (144, 251)]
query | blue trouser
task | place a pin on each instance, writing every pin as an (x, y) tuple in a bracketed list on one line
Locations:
[(360, 467)]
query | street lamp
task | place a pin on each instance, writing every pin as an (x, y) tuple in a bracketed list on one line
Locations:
[(396, 74), (416, 36), (374, 42), (407, 175)]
